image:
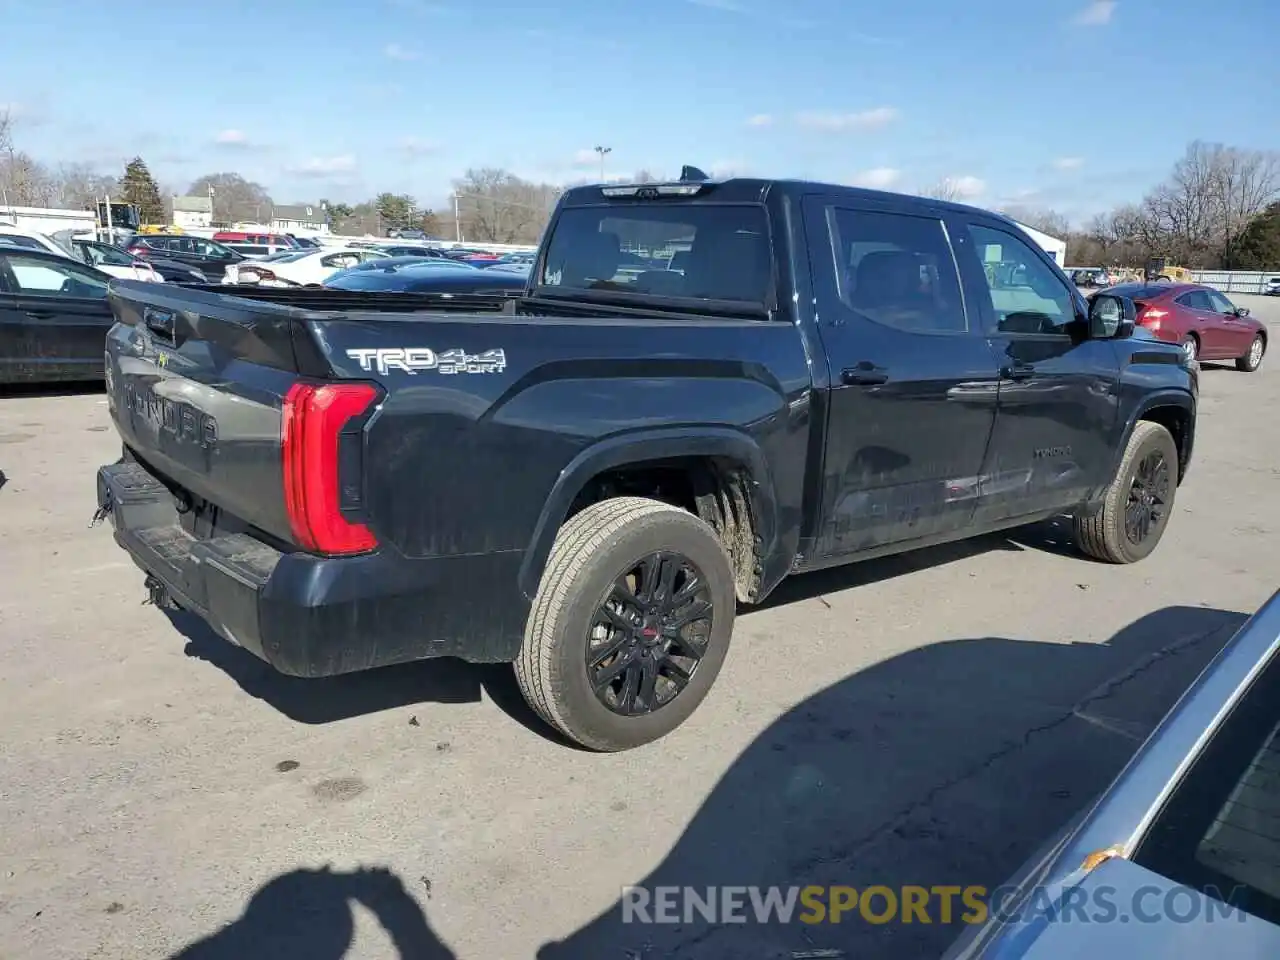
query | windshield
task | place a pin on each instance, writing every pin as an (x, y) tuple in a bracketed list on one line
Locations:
[(689, 251)]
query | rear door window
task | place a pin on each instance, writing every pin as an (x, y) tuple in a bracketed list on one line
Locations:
[(897, 269), (1196, 300)]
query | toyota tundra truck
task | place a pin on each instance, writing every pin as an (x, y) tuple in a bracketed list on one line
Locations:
[(705, 387)]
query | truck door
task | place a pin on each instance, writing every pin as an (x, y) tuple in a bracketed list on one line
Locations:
[(912, 382), (1059, 390)]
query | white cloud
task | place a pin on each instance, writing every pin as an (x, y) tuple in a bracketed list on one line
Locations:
[(966, 187), (394, 51), (231, 138), (1096, 14), (724, 169), (586, 157), (877, 178), (416, 147), (320, 167), (1068, 163), (865, 120), (760, 120)]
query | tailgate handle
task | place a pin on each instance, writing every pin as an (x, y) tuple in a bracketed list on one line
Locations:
[(160, 322)]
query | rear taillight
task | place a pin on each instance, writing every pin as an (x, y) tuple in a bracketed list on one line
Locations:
[(1150, 317), (316, 431)]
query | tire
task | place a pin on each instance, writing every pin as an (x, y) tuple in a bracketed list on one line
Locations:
[(594, 549), (1191, 347), (1100, 532), (1249, 363)]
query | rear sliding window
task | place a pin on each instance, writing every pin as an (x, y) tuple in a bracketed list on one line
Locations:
[(689, 251)]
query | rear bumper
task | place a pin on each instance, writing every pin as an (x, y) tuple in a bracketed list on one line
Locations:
[(315, 616)]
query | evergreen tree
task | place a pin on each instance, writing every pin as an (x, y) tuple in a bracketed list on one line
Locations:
[(1259, 246), (138, 187)]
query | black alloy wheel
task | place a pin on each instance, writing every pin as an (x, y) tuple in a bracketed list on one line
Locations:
[(649, 634), (1148, 497)]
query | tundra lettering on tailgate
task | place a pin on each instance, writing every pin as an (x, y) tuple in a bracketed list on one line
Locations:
[(421, 359), (182, 420)]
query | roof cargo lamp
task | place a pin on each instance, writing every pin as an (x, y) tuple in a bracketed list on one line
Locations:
[(692, 182)]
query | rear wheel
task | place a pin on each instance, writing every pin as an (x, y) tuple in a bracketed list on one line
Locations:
[(1190, 347), (1252, 360), (630, 626), (1134, 513)]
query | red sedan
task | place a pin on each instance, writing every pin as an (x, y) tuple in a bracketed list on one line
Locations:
[(1201, 319)]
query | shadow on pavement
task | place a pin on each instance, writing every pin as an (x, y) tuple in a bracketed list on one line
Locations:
[(307, 914), (452, 681), (68, 388), (328, 699), (949, 764)]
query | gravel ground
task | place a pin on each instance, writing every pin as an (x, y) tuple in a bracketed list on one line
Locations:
[(924, 719)]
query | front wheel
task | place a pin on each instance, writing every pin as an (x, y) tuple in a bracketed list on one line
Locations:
[(630, 626), (1190, 348), (1252, 360), (1135, 511)]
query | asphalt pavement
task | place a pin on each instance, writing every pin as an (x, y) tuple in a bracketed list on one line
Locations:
[(927, 719)]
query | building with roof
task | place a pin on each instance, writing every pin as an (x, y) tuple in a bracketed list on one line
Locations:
[(299, 216), (191, 212), (1051, 245)]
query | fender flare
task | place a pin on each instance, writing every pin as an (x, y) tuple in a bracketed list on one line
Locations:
[(1170, 397), (636, 447)]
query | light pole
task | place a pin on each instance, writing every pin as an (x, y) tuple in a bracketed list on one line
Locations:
[(602, 151)]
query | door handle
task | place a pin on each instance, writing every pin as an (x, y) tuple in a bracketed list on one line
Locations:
[(42, 314), (865, 374), (1017, 371)]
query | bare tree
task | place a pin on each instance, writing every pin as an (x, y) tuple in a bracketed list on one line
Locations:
[(78, 186), (944, 189), (1046, 221), (234, 197), (1246, 183), (496, 206)]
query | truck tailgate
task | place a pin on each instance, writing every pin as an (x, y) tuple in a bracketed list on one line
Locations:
[(197, 397)]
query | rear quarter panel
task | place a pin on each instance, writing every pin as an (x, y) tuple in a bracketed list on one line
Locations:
[(465, 463)]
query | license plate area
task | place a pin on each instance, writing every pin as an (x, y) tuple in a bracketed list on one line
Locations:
[(197, 517)]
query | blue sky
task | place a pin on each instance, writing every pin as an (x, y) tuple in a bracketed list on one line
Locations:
[(318, 99)]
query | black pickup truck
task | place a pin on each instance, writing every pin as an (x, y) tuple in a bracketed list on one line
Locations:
[(705, 388)]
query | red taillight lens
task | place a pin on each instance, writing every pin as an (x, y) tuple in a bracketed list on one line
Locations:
[(1150, 317), (311, 428)]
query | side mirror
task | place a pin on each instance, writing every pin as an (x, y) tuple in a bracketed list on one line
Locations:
[(1111, 316), (1241, 311)]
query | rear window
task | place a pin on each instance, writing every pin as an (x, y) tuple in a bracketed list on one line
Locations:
[(712, 252)]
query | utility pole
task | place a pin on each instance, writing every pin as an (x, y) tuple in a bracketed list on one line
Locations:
[(457, 220), (602, 151)]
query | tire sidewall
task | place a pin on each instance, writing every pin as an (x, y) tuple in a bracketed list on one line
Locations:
[(1246, 361), (1163, 441), (677, 532)]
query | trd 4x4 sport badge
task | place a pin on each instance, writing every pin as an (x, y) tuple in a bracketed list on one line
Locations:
[(421, 360)]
